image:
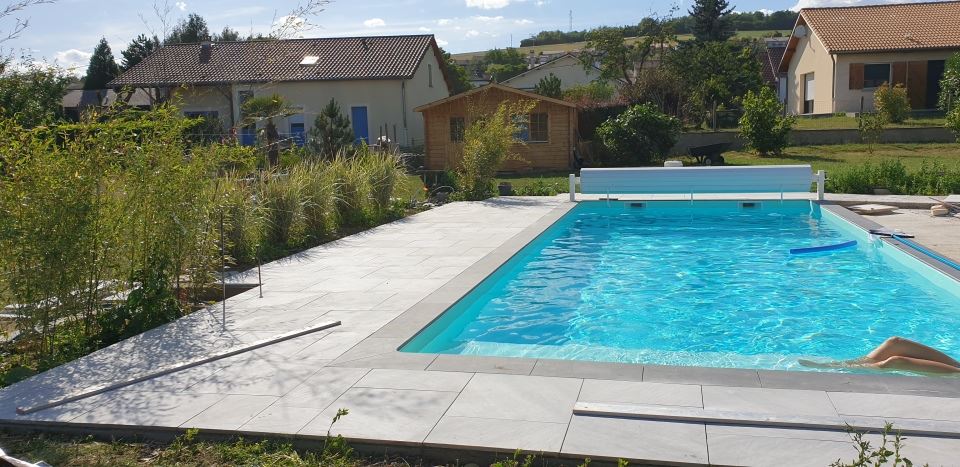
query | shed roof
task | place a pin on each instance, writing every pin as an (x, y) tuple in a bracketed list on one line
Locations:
[(490, 86), (337, 59)]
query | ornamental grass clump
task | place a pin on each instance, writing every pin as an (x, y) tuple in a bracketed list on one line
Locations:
[(488, 142)]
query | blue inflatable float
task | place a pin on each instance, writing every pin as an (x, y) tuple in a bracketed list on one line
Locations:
[(817, 249)]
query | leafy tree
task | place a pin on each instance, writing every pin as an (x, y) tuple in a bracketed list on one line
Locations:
[(714, 73), (266, 108), (950, 84), (227, 35), (593, 94), (102, 69), (331, 131), (549, 86), (616, 57), (458, 75), (639, 136), (893, 102), (711, 20), (503, 64), (139, 49), (953, 121), (191, 29), (32, 95), (487, 143), (763, 124)]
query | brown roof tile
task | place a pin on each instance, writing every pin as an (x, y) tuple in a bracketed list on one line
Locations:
[(346, 58), (905, 26)]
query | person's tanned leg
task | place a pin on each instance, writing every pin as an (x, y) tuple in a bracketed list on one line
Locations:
[(900, 347), (915, 365)]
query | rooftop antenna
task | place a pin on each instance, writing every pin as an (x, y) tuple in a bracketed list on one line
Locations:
[(571, 22)]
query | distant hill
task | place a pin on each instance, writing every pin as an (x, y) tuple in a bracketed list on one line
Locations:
[(466, 57)]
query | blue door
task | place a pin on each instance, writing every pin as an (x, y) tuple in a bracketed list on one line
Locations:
[(248, 135), (361, 129), (297, 133)]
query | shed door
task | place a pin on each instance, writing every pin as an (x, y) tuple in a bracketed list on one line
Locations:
[(361, 127)]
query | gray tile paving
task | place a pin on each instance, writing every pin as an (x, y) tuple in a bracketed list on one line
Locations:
[(506, 435), (384, 414), (230, 412), (514, 397), (629, 392), (762, 400), (418, 380), (478, 364), (385, 285), (613, 438)]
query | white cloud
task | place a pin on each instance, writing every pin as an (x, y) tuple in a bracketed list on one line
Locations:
[(182, 6), (472, 33), (488, 19), (374, 23), (73, 61), (442, 43), (487, 4), (423, 29), (444, 21), (522, 22), (765, 11)]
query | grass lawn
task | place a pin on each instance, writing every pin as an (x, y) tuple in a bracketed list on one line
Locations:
[(850, 123), (835, 156), (827, 158)]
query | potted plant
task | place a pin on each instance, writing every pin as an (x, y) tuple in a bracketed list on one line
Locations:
[(505, 188)]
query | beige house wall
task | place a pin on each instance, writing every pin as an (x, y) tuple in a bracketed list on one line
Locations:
[(848, 100), (569, 69), (389, 103), (811, 57)]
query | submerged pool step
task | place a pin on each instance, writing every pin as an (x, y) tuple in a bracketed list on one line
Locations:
[(664, 413)]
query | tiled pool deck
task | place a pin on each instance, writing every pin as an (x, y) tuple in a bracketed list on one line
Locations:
[(389, 282)]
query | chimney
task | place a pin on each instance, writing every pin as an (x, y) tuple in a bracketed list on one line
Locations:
[(206, 51)]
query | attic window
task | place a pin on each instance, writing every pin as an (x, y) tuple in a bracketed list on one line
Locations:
[(309, 60)]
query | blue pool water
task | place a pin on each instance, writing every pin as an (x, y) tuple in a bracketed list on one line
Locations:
[(700, 284)]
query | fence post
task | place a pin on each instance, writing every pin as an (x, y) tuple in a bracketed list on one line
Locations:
[(223, 274), (573, 188)]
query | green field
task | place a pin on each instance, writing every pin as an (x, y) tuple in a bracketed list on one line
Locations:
[(850, 123), (576, 46), (826, 158)]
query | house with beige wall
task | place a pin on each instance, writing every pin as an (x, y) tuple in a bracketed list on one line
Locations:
[(377, 81), (567, 67), (546, 143), (837, 57)]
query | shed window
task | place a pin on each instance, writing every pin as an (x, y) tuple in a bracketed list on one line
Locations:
[(876, 74), (456, 129), (539, 128)]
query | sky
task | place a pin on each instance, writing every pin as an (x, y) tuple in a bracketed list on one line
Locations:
[(66, 31)]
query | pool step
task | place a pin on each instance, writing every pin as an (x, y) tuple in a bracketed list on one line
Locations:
[(907, 426)]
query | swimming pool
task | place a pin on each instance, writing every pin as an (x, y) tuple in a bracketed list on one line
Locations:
[(707, 283)]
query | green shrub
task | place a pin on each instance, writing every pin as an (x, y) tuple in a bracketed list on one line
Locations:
[(243, 220), (892, 102), (886, 454), (953, 121), (539, 187), (763, 124), (487, 144), (933, 178), (640, 135), (870, 125), (949, 98)]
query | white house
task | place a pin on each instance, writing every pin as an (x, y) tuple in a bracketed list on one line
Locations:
[(377, 81), (567, 67)]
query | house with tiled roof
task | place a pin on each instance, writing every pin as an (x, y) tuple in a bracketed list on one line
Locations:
[(377, 81), (837, 57), (567, 67)]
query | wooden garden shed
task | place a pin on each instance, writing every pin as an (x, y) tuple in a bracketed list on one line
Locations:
[(547, 143)]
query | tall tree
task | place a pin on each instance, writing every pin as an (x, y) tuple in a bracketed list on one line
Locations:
[(549, 86), (138, 50), (458, 75), (266, 108), (711, 20), (193, 28), (331, 131), (102, 69), (32, 95), (502, 64), (227, 35)]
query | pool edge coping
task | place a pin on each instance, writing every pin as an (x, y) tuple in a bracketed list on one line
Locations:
[(402, 329)]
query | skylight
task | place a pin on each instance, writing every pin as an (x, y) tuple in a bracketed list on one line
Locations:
[(310, 60)]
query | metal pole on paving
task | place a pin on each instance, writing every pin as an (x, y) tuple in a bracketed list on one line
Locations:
[(223, 275)]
